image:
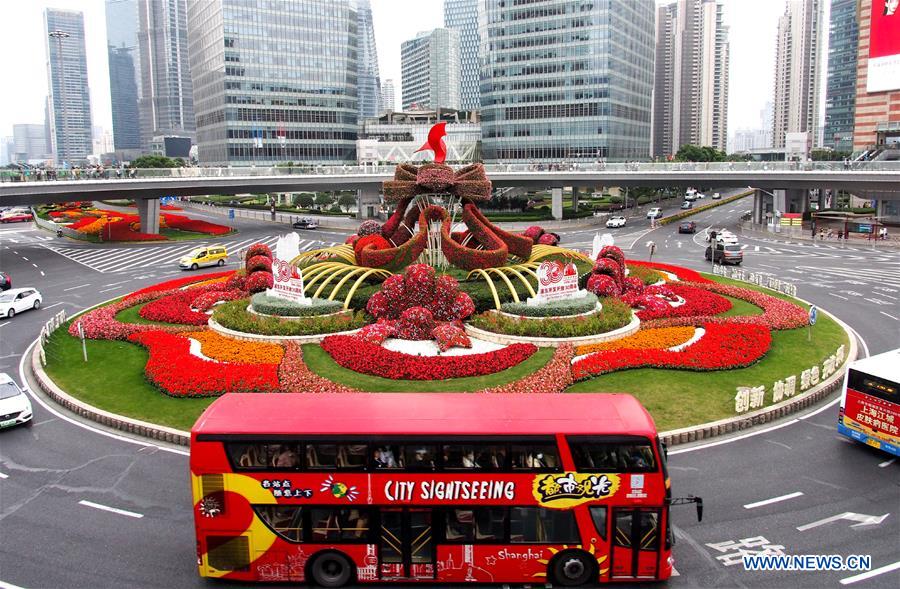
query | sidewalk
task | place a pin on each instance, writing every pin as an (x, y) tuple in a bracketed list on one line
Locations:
[(855, 241)]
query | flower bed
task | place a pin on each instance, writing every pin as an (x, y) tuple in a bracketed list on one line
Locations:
[(645, 274), (360, 356), (268, 305), (577, 306), (101, 323), (175, 371), (645, 339), (176, 307), (180, 282), (684, 274), (296, 377), (224, 349), (697, 302), (234, 315), (615, 314), (183, 223), (554, 377), (723, 347)]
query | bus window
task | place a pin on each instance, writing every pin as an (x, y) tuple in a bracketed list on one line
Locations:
[(611, 456), (331, 524), (328, 456), (387, 456), (540, 525), (598, 514), (284, 520), (419, 457), (535, 457), (479, 456), (479, 524), (460, 526), (263, 455)]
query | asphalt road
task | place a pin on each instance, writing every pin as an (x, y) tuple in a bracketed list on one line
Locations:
[(55, 474)]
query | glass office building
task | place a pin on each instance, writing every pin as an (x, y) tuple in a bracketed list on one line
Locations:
[(566, 80), (124, 59), (462, 16), (274, 81), (840, 91), (368, 78)]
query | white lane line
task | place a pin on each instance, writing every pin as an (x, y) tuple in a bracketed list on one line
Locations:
[(33, 264), (3, 476), (773, 500), (887, 463), (838, 296), (873, 573), (53, 305), (4, 323), (735, 439), (675, 573), (109, 289), (888, 314), (42, 273), (74, 287), (26, 259), (111, 509), (820, 409)]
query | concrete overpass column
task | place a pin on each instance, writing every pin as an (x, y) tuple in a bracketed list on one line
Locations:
[(759, 207), (148, 211), (368, 201), (781, 201), (556, 206), (575, 195)]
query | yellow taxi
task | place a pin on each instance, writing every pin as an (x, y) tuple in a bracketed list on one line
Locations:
[(204, 256)]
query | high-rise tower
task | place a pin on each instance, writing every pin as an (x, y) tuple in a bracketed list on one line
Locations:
[(462, 16), (70, 98)]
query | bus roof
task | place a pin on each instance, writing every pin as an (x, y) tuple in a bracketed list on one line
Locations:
[(401, 414), (885, 365)]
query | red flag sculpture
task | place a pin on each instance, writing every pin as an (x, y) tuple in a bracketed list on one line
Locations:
[(435, 143)]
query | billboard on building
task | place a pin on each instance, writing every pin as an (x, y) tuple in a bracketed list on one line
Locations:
[(884, 47)]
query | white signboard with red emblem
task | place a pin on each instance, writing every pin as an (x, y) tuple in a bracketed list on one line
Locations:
[(556, 280), (288, 280)]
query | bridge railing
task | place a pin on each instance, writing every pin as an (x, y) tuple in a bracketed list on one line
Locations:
[(491, 168)]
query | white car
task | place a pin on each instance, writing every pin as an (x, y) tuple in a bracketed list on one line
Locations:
[(716, 196), (654, 213), (613, 222), (15, 407), (701, 195), (16, 300)]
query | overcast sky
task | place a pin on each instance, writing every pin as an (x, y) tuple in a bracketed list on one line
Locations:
[(753, 25)]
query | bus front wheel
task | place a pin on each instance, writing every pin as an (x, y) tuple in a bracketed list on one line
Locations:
[(331, 569), (573, 568)]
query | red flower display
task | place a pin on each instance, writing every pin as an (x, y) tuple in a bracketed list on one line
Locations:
[(415, 323), (369, 227), (549, 239), (373, 241), (178, 283), (205, 301), (186, 224), (259, 263), (296, 377), (376, 333), (613, 253), (352, 239), (554, 377), (177, 306), (534, 233), (632, 284), (603, 285), (101, 323), (449, 335), (417, 287), (355, 354), (683, 274), (175, 371), (722, 347), (258, 249), (698, 302), (260, 281)]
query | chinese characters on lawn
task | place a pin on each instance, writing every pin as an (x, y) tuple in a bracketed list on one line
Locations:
[(748, 398)]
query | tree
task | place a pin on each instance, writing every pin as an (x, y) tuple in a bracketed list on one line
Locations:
[(829, 155), (323, 199), (305, 200), (347, 201), (695, 153), (154, 161)]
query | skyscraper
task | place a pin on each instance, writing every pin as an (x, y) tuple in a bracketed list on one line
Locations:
[(387, 96), (877, 116), (368, 79), (166, 99), (30, 143), (691, 92), (430, 70), (284, 88), (566, 79), (462, 16), (124, 71), (70, 98), (840, 92), (797, 71)]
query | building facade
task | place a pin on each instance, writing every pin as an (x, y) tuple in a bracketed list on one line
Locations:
[(30, 143), (430, 70), (70, 98), (368, 79), (840, 93), (877, 112), (387, 102), (274, 83), (797, 70), (566, 80), (123, 56), (166, 100), (394, 137), (690, 100), (462, 16)]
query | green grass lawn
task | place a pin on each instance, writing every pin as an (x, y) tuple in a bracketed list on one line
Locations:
[(113, 380), (739, 307), (321, 363)]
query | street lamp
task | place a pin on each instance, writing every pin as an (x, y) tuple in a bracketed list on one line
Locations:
[(59, 35)]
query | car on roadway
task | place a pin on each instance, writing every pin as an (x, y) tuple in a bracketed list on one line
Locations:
[(687, 227), (15, 406), (701, 195), (16, 300), (204, 256), (305, 223), (725, 253), (727, 238), (654, 213), (687, 205), (5, 281), (16, 217), (615, 222), (716, 196)]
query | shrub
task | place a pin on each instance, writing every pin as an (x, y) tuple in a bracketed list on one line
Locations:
[(615, 314), (583, 304), (549, 239), (234, 315), (646, 275), (603, 285), (268, 305), (258, 249), (257, 263), (260, 281), (369, 228)]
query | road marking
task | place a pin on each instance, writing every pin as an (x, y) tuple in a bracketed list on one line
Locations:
[(74, 287), (26, 259), (33, 264), (675, 573), (887, 463), (873, 573), (3, 476), (862, 519), (109, 289), (736, 438), (838, 296), (888, 314), (42, 273), (773, 500), (53, 305), (4, 323), (111, 509)]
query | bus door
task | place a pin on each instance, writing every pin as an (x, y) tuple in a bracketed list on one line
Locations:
[(636, 543), (406, 544)]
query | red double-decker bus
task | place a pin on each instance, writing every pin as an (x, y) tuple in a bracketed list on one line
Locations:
[(340, 488)]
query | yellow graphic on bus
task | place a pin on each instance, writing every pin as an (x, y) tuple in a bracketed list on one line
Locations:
[(568, 489)]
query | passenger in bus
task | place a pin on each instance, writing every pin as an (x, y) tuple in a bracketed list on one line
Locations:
[(422, 460), (286, 458), (384, 458), (250, 458), (637, 458), (468, 459)]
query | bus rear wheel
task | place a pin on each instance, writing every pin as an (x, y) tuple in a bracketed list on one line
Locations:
[(572, 569), (331, 569)]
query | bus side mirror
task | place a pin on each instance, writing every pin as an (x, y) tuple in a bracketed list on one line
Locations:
[(699, 509), (665, 449)]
